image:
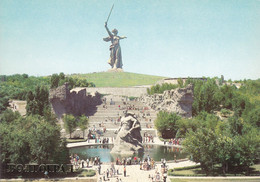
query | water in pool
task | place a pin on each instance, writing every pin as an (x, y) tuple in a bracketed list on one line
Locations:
[(103, 151)]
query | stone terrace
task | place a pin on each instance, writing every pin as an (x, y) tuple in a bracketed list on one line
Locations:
[(108, 115)]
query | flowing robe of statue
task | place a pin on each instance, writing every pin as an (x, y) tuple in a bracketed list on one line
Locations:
[(115, 59)]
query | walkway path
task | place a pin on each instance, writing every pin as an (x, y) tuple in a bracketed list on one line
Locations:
[(134, 174)]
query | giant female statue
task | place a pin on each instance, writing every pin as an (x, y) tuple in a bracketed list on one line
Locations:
[(115, 59)]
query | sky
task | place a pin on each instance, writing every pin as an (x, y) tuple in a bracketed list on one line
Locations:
[(171, 38)]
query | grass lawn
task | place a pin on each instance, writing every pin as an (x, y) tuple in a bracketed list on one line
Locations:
[(196, 171), (118, 79)]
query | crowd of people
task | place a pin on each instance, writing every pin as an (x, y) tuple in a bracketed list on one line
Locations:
[(147, 164), (157, 176), (96, 135), (110, 172), (81, 163), (173, 141), (142, 114), (127, 161), (148, 138), (113, 171)]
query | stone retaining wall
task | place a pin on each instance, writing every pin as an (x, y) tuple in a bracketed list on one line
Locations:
[(125, 91)]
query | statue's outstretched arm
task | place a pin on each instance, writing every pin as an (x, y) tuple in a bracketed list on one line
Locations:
[(108, 31), (122, 37)]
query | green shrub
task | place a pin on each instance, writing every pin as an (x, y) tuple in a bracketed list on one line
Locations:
[(90, 173), (87, 173)]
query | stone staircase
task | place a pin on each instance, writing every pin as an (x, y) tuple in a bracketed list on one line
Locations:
[(113, 107)]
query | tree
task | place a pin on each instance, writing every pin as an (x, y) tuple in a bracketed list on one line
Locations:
[(25, 75), (38, 102), (29, 96), (246, 148), (62, 155), (69, 123), (43, 139), (180, 82), (184, 125), (4, 102), (236, 125), (55, 80), (224, 150), (62, 76), (32, 108), (227, 94), (202, 146), (160, 88), (8, 116), (231, 143), (239, 104), (165, 123), (83, 123), (33, 134), (14, 142), (253, 116), (207, 96)]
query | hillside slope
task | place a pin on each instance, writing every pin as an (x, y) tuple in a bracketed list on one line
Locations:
[(118, 79)]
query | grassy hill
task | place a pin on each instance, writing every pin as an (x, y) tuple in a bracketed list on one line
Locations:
[(118, 79)]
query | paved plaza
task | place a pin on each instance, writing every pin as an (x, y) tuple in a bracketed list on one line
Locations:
[(134, 174)]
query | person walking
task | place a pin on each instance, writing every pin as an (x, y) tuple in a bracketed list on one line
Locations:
[(46, 174), (104, 176), (164, 177), (87, 162), (82, 163), (124, 171), (99, 169), (107, 173)]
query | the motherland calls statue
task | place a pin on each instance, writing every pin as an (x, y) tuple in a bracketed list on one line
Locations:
[(128, 140), (115, 59)]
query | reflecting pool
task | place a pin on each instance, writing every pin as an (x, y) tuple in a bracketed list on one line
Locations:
[(103, 151)]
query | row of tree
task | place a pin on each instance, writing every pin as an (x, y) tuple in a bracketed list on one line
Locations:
[(60, 79), (159, 89), (210, 96), (232, 142), (31, 139), (34, 138), (18, 86)]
